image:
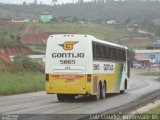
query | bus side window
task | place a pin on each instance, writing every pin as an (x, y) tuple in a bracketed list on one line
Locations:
[(101, 52), (104, 52), (97, 51), (107, 53), (94, 50), (116, 57), (118, 54), (112, 54)]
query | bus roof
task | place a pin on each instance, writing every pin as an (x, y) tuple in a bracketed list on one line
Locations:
[(91, 38), (110, 43)]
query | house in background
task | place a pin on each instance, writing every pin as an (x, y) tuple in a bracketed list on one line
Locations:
[(46, 17), (36, 58), (147, 56)]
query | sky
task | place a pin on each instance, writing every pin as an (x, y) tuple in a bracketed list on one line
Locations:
[(43, 1)]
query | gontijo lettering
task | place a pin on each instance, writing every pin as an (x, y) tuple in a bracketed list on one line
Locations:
[(68, 55)]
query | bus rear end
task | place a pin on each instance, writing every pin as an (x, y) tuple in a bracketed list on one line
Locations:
[(67, 65)]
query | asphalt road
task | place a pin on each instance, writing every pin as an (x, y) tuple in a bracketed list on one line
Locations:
[(42, 103)]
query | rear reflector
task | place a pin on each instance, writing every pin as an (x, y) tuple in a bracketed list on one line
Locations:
[(47, 77), (89, 78), (67, 76)]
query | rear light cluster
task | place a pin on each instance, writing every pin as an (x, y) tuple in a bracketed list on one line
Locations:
[(47, 77), (67, 76), (89, 78)]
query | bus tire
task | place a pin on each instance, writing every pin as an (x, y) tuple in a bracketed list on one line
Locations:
[(125, 87), (126, 84), (61, 97), (70, 97), (122, 91), (98, 95), (104, 91)]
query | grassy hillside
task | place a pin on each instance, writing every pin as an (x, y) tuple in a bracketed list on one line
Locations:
[(22, 76), (14, 83), (101, 31), (11, 33), (104, 32)]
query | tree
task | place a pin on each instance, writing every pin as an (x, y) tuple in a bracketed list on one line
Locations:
[(127, 21), (35, 2), (24, 63), (24, 3), (80, 1), (40, 2), (54, 2)]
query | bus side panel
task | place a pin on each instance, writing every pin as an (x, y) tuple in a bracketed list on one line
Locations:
[(119, 76), (106, 74), (114, 80)]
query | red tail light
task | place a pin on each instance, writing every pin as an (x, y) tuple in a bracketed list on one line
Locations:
[(47, 77), (89, 78), (67, 76)]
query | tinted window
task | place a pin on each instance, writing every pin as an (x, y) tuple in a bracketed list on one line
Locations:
[(104, 52)]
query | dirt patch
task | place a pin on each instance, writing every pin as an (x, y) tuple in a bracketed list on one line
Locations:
[(27, 29), (4, 57), (35, 38), (5, 63)]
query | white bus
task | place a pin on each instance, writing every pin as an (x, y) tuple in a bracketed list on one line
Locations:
[(81, 64)]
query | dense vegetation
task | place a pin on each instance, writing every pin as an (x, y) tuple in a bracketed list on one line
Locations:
[(24, 64), (10, 34)]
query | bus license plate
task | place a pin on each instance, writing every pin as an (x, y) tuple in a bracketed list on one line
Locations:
[(69, 80)]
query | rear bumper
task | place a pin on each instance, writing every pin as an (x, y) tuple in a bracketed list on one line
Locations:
[(67, 89)]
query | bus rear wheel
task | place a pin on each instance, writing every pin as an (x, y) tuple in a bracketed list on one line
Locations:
[(104, 91), (61, 97), (98, 95), (70, 97), (125, 87)]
